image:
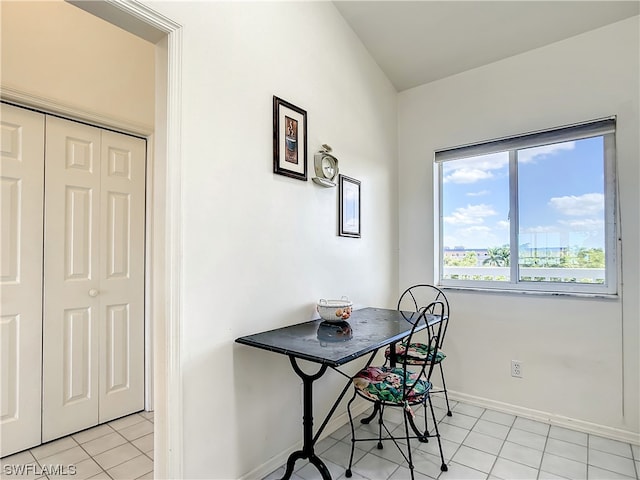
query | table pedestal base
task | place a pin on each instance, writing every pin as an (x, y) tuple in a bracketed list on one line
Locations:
[(308, 438), (315, 460), (308, 441)]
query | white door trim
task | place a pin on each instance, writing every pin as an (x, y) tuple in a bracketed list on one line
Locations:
[(166, 281)]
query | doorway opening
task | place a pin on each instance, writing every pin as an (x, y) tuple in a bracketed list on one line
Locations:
[(163, 268)]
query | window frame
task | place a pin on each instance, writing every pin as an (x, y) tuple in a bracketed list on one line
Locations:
[(605, 128)]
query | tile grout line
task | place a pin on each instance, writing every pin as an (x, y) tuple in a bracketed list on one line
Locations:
[(38, 461), (589, 448), (93, 459), (465, 437), (122, 463), (107, 450), (393, 472), (544, 449), (117, 465), (504, 441), (114, 430)]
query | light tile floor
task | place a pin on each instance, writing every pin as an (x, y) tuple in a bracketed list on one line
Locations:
[(121, 449), (478, 444)]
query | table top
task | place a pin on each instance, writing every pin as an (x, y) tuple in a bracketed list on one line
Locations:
[(337, 343)]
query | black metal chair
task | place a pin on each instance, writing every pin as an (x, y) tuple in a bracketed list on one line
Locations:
[(413, 299), (402, 387)]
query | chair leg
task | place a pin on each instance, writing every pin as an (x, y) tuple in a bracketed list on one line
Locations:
[(422, 436), (443, 467), (426, 424), (444, 387), (353, 436), (376, 409), (380, 427), (406, 431)]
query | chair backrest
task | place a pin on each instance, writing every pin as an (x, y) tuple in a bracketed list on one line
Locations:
[(434, 329), (425, 296)]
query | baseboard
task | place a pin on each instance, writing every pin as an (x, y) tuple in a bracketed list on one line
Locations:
[(278, 460), (553, 419)]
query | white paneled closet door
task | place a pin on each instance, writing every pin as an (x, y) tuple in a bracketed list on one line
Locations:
[(71, 309), (93, 345), (21, 187), (122, 276)]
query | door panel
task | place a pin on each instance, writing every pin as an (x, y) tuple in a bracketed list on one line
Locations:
[(76, 366), (122, 283), (72, 284), (77, 230), (21, 194), (11, 193), (118, 359), (118, 235), (10, 375)]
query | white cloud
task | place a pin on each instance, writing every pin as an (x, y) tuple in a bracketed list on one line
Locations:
[(584, 224), (481, 193), (530, 154), (503, 224), (483, 167), (476, 236), (585, 205), (470, 215), (478, 229), (467, 175), (473, 169), (540, 229)]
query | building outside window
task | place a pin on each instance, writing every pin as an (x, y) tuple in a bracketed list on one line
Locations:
[(535, 212)]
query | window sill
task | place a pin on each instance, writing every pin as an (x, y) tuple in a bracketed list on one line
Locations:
[(501, 291)]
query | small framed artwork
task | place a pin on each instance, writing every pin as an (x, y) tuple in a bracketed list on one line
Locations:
[(289, 140), (348, 207)]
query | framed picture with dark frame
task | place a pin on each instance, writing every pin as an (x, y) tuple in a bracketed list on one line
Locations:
[(289, 140), (348, 207)]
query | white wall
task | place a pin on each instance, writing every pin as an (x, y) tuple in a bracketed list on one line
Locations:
[(581, 356), (260, 249), (56, 52)]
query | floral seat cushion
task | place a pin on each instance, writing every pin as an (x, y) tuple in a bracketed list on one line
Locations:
[(416, 353), (386, 384)]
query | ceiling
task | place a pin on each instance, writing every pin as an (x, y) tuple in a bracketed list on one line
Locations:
[(416, 42)]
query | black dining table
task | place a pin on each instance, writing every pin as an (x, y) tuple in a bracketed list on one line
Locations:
[(332, 344)]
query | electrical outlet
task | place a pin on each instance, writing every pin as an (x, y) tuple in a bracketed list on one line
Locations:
[(516, 368)]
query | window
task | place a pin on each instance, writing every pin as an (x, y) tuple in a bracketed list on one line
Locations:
[(534, 212)]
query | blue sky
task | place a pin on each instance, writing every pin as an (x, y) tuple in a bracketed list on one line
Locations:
[(561, 191)]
